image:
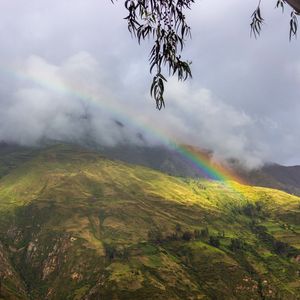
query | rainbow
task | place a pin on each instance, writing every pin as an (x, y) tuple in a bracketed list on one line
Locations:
[(214, 170), (197, 160)]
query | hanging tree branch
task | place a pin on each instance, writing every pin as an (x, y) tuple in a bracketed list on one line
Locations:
[(164, 21), (257, 20)]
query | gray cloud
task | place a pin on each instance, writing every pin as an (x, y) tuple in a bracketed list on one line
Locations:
[(61, 102), (69, 70)]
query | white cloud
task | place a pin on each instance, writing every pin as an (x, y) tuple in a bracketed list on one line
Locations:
[(195, 114)]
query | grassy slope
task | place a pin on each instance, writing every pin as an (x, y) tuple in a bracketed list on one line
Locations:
[(76, 226)]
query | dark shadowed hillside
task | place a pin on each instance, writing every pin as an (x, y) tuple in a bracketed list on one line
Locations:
[(160, 158), (275, 176)]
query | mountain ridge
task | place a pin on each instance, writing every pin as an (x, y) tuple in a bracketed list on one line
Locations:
[(286, 178), (164, 159)]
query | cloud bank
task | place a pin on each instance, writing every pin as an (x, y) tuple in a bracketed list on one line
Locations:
[(74, 102)]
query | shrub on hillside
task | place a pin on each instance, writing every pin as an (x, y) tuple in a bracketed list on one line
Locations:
[(204, 233), (155, 236), (187, 236), (110, 251), (214, 241), (236, 244)]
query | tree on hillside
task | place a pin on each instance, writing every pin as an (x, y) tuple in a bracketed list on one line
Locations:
[(165, 22)]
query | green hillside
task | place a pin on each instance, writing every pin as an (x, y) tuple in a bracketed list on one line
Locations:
[(74, 225)]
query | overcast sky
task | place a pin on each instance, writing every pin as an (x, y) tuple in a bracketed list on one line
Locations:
[(69, 70)]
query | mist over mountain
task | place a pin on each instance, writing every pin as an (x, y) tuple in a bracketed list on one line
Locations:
[(75, 100)]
